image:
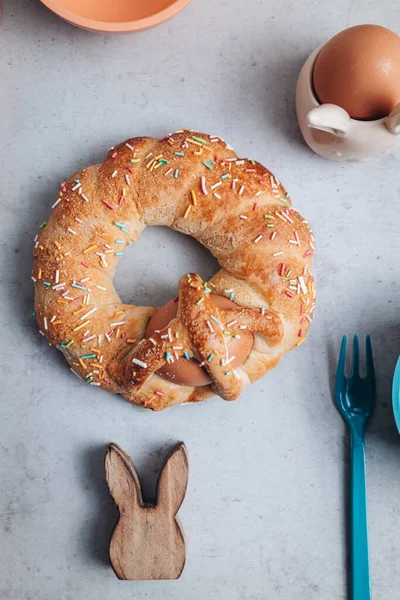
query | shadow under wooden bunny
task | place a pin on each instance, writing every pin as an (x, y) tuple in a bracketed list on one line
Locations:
[(103, 514)]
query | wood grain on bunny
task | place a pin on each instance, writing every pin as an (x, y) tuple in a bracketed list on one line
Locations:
[(147, 542), (195, 184)]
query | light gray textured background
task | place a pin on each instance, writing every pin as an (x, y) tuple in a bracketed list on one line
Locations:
[(264, 513)]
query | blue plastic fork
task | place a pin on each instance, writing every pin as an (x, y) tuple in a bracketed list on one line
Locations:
[(355, 398)]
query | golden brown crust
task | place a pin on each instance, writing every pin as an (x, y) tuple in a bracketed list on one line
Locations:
[(195, 184)]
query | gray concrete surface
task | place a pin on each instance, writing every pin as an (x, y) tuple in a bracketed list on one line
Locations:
[(264, 514)]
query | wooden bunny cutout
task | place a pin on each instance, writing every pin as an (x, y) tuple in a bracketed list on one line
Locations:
[(147, 542)]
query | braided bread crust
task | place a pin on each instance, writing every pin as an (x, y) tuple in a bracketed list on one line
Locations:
[(195, 184)]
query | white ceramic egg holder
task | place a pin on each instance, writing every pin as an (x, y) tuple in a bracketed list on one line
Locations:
[(330, 131)]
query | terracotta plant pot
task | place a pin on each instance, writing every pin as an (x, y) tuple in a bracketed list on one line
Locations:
[(115, 15)]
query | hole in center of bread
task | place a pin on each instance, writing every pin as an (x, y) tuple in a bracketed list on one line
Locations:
[(149, 271)]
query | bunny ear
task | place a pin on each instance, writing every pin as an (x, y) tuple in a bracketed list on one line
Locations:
[(173, 480), (121, 477)]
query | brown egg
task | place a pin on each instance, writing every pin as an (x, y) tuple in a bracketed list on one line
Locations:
[(359, 70), (188, 372)]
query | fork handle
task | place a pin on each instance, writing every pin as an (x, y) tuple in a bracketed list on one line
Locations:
[(360, 577)]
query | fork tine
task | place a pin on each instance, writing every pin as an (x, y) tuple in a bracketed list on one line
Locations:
[(370, 369), (355, 363), (341, 366)]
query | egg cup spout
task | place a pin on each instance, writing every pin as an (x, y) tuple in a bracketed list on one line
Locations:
[(330, 118), (392, 122)]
